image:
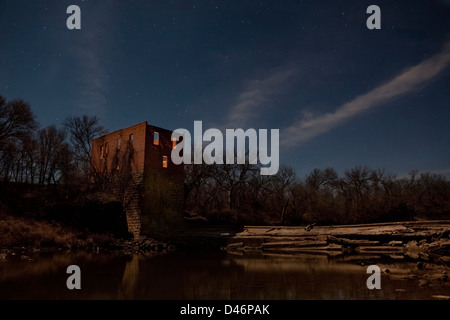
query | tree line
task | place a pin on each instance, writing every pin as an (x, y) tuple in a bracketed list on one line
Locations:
[(226, 193), (238, 193), (48, 155)]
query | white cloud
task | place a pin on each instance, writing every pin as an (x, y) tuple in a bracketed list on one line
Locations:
[(257, 94), (407, 81)]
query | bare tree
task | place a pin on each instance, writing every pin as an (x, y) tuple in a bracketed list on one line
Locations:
[(229, 177), (82, 131), (358, 179), (195, 177), (8, 157), (283, 182), (318, 194), (16, 119), (17, 124), (54, 155), (25, 155)]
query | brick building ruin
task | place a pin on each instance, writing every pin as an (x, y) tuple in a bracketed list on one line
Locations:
[(136, 168)]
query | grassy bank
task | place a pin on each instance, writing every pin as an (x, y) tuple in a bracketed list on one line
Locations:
[(28, 232)]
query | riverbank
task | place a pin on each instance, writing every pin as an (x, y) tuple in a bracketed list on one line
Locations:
[(25, 237), (18, 232), (425, 240)]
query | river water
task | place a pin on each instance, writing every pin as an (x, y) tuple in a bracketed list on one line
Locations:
[(215, 275)]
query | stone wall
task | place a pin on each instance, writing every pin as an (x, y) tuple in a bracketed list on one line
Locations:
[(128, 190), (163, 204)]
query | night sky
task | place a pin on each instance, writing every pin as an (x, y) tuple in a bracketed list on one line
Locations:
[(342, 95)]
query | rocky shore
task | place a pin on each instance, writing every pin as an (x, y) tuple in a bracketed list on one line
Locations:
[(144, 244), (425, 240)]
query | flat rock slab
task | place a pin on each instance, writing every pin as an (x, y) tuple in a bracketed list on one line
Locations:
[(383, 238), (379, 249), (414, 228), (301, 243)]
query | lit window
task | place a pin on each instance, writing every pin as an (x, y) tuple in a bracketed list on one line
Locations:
[(174, 143), (164, 161), (118, 143), (156, 138), (101, 152), (131, 138)]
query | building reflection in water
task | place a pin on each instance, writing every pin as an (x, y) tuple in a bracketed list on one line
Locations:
[(130, 278)]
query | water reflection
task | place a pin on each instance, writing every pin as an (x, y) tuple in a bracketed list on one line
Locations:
[(213, 275), (130, 278)]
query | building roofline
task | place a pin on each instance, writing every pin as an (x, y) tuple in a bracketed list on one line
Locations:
[(159, 128), (130, 127), (115, 131)]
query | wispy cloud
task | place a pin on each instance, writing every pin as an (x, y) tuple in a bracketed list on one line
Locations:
[(257, 94), (89, 53), (92, 85), (410, 79)]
